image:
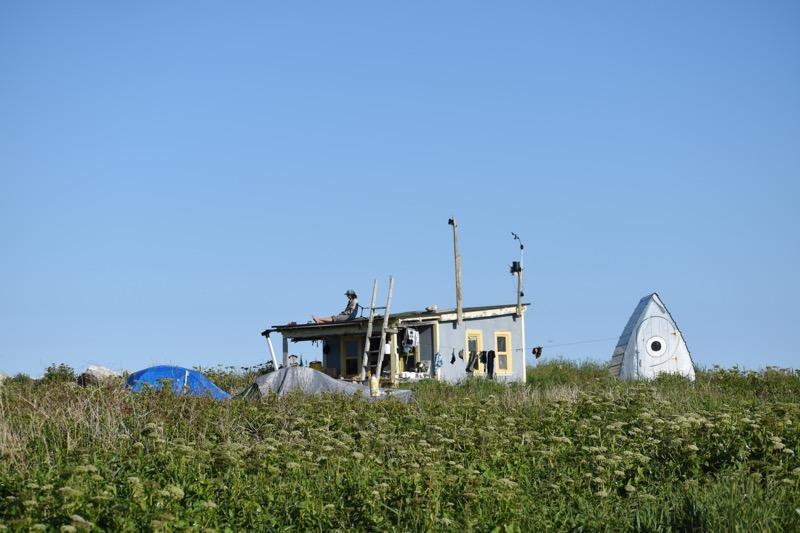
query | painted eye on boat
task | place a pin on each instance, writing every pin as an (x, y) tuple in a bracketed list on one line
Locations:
[(655, 346)]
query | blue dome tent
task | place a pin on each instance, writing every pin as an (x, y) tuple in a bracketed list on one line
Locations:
[(184, 381)]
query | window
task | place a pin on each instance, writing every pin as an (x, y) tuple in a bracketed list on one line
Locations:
[(351, 355), (474, 347), (502, 351)]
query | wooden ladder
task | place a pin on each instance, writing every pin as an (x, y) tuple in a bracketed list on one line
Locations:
[(365, 360), (384, 327)]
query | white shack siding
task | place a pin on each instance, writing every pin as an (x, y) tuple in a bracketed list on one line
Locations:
[(452, 340)]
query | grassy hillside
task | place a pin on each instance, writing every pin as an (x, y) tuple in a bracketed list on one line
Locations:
[(572, 449)]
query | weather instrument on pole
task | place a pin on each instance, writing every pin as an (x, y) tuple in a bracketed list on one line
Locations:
[(516, 269)]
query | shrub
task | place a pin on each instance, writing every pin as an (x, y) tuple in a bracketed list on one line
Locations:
[(21, 378), (59, 373)]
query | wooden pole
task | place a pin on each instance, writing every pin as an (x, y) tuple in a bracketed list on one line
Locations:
[(394, 360), (384, 327), (365, 361), (437, 372), (457, 259), (285, 350)]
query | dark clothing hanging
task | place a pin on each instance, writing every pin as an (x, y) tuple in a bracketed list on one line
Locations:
[(490, 364)]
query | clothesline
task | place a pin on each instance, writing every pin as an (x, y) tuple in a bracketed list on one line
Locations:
[(580, 342)]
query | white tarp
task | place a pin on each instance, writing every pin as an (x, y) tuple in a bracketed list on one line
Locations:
[(651, 344), (309, 381)]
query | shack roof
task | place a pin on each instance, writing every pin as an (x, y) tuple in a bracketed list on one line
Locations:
[(311, 330)]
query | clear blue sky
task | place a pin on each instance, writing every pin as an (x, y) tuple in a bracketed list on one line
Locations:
[(175, 178)]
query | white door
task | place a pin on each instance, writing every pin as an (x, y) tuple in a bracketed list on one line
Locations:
[(656, 344)]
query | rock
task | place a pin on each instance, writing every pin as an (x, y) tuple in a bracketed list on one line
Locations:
[(94, 375)]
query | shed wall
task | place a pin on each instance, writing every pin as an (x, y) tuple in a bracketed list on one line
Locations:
[(333, 358), (452, 339)]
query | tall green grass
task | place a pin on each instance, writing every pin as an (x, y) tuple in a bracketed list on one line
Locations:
[(572, 449), (563, 372)]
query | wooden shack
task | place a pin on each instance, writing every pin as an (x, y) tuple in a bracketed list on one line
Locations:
[(429, 343)]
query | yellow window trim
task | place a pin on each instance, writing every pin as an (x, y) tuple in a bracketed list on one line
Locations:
[(509, 352)]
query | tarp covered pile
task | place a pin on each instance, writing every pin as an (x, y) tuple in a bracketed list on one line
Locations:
[(184, 381), (309, 381)]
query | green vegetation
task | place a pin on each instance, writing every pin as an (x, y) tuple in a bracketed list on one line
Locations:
[(572, 449), (59, 373)]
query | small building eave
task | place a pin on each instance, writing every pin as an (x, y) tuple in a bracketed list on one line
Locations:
[(310, 331)]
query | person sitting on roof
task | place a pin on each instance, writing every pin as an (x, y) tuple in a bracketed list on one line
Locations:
[(349, 312)]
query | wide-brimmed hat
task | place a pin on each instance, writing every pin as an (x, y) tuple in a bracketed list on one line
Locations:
[(351, 292)]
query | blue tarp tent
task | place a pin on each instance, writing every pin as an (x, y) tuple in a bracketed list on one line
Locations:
[(184, 381)]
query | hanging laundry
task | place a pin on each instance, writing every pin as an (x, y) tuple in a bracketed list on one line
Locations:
[(453, 357), (472, 362), (490, 356), (437, 360), (410, 340)]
